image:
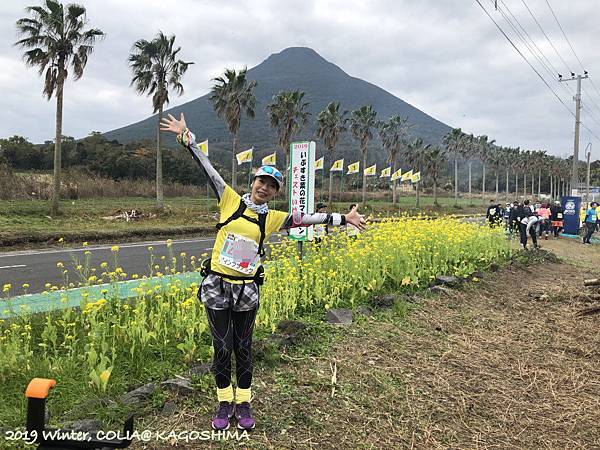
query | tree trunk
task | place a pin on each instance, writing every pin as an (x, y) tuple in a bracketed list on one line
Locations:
[(455, 180), (470, 192), (234, 150), (539, 183), (532, 185), (507, 188), (435, 201), (330, 197), (364, 180), (517, 185), (159, 171), (551, 188), (418, 197), (524, 185), (483, 185), (497, 185), (394, 198), (57, 148)]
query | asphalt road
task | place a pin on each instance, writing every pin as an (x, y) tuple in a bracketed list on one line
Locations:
[(38, 267)]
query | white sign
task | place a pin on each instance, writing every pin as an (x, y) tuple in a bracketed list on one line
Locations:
[(301, 186)]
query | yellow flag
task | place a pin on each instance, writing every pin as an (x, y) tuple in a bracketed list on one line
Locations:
[(396, 175), (371, 170), (270, 160), (337, 166), (353, 168), (406, 176), (385, 172), (203, 147), (245, 156), (319, 163), (416, 177)]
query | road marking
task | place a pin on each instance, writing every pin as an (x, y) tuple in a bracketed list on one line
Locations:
[(12, 267), (99, 247)]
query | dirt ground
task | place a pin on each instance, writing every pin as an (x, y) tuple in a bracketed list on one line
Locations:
[(503, 362)]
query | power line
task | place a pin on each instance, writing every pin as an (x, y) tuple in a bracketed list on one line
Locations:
[(526, 60), (544, 33), (554, 72), (565, 35)]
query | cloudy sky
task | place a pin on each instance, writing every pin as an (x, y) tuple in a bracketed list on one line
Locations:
[(445, 57)]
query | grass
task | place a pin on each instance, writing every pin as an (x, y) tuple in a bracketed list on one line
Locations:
[(27, 222)]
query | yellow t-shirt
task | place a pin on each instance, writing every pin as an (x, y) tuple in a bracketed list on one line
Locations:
[(236, 246)]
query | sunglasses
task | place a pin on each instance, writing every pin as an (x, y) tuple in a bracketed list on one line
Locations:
[(274, 172)]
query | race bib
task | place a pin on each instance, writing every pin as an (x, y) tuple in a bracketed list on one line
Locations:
[(239, 253), (559, 215)]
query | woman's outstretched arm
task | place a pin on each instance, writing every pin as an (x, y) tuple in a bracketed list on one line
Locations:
[(335, 219), (186, 138)]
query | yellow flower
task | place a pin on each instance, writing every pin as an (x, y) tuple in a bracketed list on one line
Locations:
[(25, 286), (150, 248), (114, 248), (85, 244), (7, 287), (169, 242), (87, 252), (60, 265), (104, 265), (61, 240)]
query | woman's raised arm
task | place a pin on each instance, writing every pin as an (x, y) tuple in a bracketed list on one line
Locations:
[(186, 138)]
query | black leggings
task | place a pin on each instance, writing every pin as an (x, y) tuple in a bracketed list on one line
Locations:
[(232, 331)]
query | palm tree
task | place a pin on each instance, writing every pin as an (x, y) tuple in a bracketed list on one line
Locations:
[(287, 114), (54, 37), (483, 148), (330, 125), (468, 149), (362, 122), (414, 157), (392, 135), (452, 141), (156, 70), (495, 158), (435, 162), (231, 96)]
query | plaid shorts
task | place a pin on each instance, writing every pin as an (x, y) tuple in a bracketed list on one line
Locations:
[(217, 293)]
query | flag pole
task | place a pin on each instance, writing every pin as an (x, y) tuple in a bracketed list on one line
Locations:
[(250, 167)]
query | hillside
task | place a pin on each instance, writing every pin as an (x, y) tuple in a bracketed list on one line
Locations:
[(293, 68)]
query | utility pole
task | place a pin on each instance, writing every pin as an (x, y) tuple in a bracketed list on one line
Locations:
[(574, 173), (588, 154)]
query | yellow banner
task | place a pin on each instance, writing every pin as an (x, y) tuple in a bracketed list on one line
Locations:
[(386, 172), (337, 166), (245, 156), (270, 160), (396, 175), (371, 170), (406, 176), (203, 147), (416, 177), (353, 168), (319, 163)]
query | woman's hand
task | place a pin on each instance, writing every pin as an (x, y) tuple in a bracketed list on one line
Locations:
[(356, 219), (172, 124)]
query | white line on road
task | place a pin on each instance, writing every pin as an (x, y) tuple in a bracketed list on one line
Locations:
[(99, 247), (12, 267)]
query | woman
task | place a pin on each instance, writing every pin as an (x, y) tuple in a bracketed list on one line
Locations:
[(544, 213), (556, 218), (230, 291)]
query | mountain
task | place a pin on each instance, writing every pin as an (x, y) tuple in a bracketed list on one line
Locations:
[(293, 68)]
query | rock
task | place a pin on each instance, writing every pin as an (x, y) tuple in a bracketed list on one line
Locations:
[(362, 309), (199, 370), (181, 386), (138, 395), (291, 327), (85, 425), (383, 301), (339, 316), (447, 280), (169, 408)]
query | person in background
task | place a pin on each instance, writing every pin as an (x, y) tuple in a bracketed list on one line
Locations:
[(494, 214), (556, 218), (591, 222), (320, 230), (532, 224), (515, 218), (544, 213)]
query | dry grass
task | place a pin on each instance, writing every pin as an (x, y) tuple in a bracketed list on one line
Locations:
[(487, 366)]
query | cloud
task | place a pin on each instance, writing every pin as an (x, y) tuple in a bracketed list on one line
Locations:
[(446, 58)]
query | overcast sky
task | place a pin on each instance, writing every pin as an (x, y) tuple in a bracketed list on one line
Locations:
[(443, 56)]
